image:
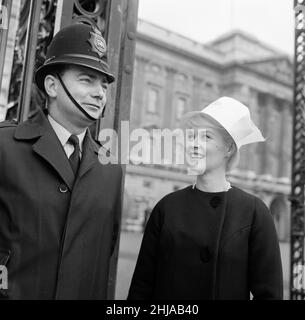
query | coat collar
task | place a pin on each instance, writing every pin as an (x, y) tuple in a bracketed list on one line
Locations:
[(50, 149)]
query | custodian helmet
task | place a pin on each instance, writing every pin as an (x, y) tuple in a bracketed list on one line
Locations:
[(78, 44)]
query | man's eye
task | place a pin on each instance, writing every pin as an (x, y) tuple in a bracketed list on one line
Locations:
[(85, 80)]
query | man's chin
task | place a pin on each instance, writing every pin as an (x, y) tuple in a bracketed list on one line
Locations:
[(94, 113)]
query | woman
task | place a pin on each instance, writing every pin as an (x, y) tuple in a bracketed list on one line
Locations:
[(211, 240)]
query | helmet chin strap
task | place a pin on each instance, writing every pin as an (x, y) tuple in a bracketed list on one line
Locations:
[(78, 106)]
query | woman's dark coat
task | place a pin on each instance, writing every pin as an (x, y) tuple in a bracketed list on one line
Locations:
[(56, 235), (245, 258)]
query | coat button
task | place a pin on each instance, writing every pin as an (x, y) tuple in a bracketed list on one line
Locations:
[(215, 202), (205, 254), (63, 188)]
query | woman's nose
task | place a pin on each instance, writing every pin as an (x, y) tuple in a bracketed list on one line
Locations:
[(199, 144), (197, 141)]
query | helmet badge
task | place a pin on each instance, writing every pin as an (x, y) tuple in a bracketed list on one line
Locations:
[(97, 42)]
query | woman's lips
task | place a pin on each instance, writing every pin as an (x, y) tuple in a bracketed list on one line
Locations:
[(195, 155)]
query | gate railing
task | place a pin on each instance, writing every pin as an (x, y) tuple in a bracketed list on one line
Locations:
[(297, 236)]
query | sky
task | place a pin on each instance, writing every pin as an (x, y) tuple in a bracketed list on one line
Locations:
[(270, 21)]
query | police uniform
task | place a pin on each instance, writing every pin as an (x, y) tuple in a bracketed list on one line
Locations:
[(57, 230)]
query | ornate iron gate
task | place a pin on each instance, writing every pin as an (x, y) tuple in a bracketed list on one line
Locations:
[(39, 21), (297, 291)]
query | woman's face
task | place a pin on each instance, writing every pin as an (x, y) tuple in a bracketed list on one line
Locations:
[(206, 149)]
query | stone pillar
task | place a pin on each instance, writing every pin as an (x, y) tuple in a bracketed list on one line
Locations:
[(169, 93), (274, 142), (271, 127), (197, 93), (262, 148), (138, 92), (252, 156), (284, 169), (282, 138)]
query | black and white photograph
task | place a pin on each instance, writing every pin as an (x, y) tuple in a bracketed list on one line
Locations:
[(152, 150)]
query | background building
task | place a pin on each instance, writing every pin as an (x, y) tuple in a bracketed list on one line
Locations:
[(174, 75)]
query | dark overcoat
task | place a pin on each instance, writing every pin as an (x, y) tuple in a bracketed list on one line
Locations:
[(57, 234), (175, 261)]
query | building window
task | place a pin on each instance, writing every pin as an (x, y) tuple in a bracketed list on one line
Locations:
[(181, 77), (156, 68), (180, 108), (262, 99), (147, 184), (152, 100)]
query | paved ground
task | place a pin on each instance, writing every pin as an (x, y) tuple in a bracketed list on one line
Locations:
[(129, 248)]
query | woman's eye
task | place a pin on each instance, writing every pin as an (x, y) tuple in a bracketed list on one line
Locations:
[(208, 135), (204, 136), (191, 137)]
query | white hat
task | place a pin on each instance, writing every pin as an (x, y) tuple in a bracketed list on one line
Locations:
[(235, 118)]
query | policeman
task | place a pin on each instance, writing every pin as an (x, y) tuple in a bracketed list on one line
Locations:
[(59, 206)]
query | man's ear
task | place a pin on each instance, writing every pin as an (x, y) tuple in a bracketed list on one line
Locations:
[(51, 85)]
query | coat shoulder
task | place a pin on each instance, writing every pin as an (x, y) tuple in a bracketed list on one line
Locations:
[(176, 195), (7, 129), (8, 124), (248, 197), (242, 194), (175, 198), (167, 206), (259, 209)]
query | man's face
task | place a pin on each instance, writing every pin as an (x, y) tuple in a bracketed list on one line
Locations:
[(88, 87)]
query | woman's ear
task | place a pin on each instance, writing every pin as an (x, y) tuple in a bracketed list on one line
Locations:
[(50, 85), (231, 150)]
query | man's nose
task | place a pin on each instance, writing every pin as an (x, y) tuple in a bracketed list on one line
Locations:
[(99, 91)]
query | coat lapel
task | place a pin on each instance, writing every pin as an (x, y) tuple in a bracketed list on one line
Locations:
[(90, 155), (47, 146)]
